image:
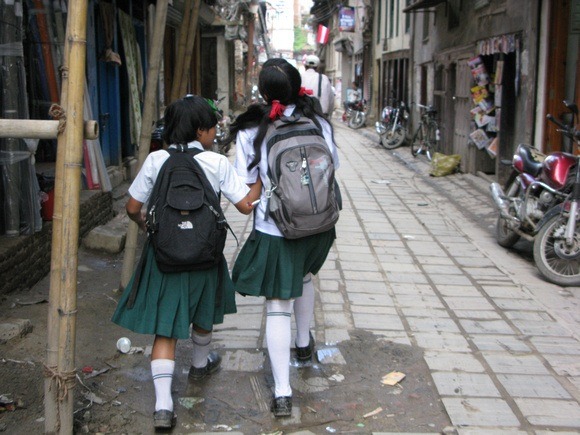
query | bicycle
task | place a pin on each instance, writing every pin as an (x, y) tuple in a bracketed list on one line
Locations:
[(426, 137)]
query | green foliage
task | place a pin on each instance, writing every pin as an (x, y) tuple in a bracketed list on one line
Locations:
[(300, 39)]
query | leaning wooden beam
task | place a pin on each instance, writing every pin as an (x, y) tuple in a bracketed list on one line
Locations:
[(181, 47), (145, 138), (192, 33), (41, 129)]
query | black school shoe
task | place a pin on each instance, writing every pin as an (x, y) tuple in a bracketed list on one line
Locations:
[(213, 363), (304, 354), (282, 406), (164, 419)]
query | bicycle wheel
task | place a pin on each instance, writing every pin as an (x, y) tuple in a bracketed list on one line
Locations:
[(432, 142), (417, 142)]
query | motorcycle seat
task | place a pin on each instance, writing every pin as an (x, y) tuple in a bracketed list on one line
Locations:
[(532, 159)]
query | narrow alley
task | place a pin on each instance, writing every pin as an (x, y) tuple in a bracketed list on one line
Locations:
[(415, 284)]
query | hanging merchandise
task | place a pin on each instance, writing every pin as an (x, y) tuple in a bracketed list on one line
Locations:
[(485, 102)]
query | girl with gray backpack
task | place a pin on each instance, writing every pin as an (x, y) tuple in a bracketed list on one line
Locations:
[(280, 257)]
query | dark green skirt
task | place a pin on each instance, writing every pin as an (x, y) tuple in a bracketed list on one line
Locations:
[(274, 267), (167, 303)]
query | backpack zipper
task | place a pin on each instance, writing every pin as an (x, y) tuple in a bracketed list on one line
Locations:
[(306, 168)]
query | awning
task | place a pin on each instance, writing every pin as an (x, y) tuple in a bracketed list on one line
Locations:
[(423, 4)]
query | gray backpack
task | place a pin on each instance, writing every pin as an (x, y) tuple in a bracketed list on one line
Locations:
[(302, 196)]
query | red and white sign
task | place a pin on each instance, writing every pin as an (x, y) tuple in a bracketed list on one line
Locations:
[(322, 34)]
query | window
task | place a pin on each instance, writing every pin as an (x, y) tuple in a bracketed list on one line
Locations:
[(453, 13), (426, 18), (391, 18), (407, 18)]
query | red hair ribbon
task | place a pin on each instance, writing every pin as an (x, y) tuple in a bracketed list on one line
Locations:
[(303, 91), (277, 109)]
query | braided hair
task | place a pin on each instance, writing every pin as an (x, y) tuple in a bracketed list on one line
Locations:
[(279, 82)]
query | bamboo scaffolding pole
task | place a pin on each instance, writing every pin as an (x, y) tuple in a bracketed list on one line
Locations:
[(41, 129), (148, 118), (181, 45), (191, 35), (60, 382)]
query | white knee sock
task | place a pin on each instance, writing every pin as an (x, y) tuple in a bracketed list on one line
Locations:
[(304, 312), (162, 371), (200, 349), (278, 337)]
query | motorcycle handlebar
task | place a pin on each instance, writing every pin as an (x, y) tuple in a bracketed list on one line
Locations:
[(571, 132)]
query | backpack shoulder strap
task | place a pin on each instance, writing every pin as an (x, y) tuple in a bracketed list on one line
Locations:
[(319, 85)]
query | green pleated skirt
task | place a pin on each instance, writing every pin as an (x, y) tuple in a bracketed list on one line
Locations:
[(167, 303), (274, 267)]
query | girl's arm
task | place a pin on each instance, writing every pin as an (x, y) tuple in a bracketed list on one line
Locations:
[(245, 205), (133, 208)]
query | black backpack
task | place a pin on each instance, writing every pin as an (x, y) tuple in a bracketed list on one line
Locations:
[(185, 222)]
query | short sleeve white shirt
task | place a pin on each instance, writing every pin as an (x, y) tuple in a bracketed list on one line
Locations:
[(245, 155), (220, 173)]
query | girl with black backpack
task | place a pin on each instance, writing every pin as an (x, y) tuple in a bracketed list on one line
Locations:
[(166, 304), (270, 265)]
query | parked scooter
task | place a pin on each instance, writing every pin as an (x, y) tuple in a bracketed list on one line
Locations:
[(355, 114), (541, 204), (392, 128), (223, 138)]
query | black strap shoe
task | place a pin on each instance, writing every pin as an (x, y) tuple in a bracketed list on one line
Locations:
[(164, 419), (213, 364), (282, 406), (305, 353)]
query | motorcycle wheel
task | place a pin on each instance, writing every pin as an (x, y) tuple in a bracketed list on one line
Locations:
[(393, 139), (505, 236), (357, 120), (557, 262), (417, 142)]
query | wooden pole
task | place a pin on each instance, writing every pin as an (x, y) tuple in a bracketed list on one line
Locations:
[(51, 382), (41, 129), (60, 376), (191, 34), (181, 45), (145, 138), (250, 68)]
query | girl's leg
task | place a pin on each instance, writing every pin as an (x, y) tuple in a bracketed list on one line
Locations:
[(162, 367), (203, 362), (201, 340), (304, 312), (278, 337)]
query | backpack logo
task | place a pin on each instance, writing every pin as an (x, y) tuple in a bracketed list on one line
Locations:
[(292, 166), (301, 197), (185, 225)]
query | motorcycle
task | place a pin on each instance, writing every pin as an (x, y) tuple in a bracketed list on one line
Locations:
[(541, 203), (223, 140), (355, 114), (392, 128)]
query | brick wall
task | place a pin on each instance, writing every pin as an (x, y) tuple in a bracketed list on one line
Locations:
[(28, 261)]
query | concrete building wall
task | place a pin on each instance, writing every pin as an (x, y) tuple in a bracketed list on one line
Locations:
[(444, 38)]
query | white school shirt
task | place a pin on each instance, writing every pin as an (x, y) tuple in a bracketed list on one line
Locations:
[(220, 173), (245, 155), (310, 80)]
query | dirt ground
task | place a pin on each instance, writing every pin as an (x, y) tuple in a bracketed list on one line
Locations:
[(117, 397)]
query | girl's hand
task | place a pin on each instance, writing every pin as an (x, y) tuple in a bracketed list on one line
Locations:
[(135, 212), (251, 200)]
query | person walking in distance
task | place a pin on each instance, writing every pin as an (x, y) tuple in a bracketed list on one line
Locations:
[(319, 84), (270, 265), (166, 304)]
